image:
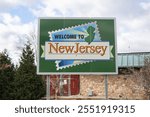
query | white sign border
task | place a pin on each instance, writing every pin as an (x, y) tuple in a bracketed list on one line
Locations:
[(74, 73)]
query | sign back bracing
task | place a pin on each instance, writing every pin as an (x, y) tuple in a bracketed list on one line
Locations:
[(76, 46)]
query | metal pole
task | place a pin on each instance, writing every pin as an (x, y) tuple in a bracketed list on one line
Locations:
[(48, 87), (69, 83), (106, 86)]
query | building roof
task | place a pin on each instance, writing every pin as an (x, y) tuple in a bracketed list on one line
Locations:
[(132, 59)]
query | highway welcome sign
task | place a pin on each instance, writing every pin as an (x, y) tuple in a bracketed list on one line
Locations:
[(76, 46)]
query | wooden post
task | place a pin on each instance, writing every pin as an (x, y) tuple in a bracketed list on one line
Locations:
[(106, 86)]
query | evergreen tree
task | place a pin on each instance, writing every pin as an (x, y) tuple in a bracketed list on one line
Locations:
[(28, 84), (6, 76)]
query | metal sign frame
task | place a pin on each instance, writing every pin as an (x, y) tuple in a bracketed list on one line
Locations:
[(87, 19)]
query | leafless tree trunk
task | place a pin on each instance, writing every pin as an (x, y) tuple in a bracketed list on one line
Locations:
[(55, 85), (142, 77)]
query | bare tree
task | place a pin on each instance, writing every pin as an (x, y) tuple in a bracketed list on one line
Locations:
[(142, 77), (55, 82), (146, 75), (24, 39)]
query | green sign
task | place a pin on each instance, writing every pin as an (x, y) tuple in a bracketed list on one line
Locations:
[(76, 46)]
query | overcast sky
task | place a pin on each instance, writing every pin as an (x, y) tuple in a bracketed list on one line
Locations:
[(19, 17)]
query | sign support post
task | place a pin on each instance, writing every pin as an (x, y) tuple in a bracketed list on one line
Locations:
[(48, 87), (106, 86), (69, 83)]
